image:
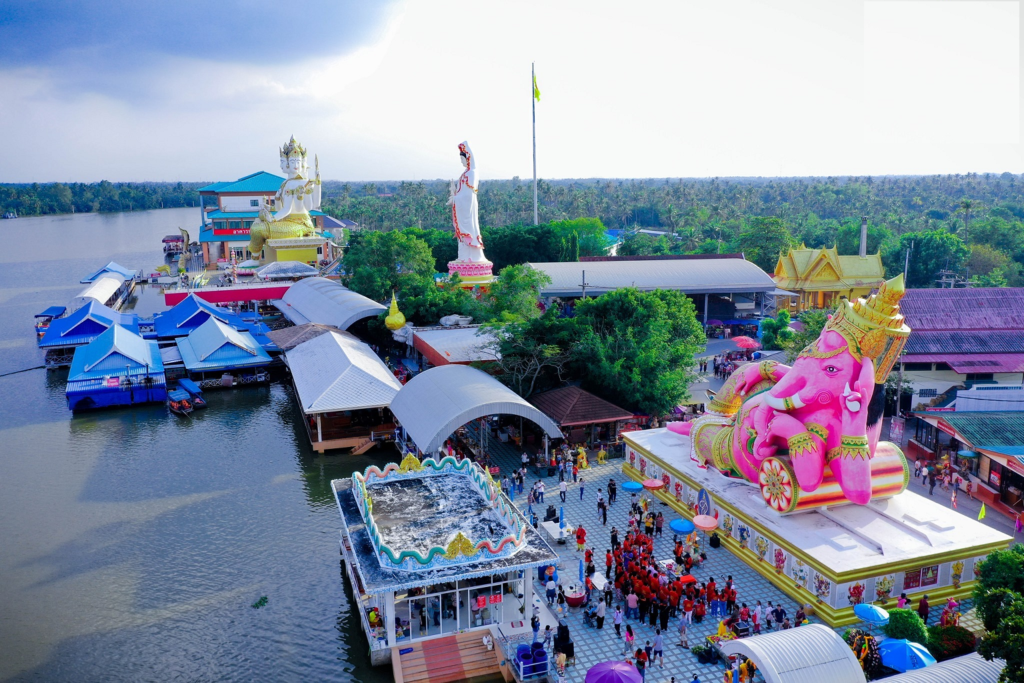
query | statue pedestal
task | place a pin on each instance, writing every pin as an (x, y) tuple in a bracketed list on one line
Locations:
[(472, 273), (825, 557)]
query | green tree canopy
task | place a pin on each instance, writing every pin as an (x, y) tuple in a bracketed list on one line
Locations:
[(775, 332), (636, 348), (376, 262), (934, 250), (848, 239), (441, 242), (642, 244), (514, 296), (762, 241), (813, 323), (999, 598)]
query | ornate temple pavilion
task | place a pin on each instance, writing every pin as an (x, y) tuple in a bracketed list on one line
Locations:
[(819, 277)]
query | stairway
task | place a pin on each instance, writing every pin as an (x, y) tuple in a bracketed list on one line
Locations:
[(363, 446), (461, 657)]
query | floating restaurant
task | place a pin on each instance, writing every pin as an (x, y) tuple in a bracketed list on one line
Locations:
[(84, 325), (434, 549), (344, 391), (216, 354), (118, 368)]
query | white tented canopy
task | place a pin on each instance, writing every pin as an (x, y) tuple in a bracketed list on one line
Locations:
[(807, 654), (437, 402), (319, 300), (970, 668), (100, 289), (335, 371)]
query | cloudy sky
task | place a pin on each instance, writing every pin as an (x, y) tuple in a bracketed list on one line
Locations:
[(193, 90)]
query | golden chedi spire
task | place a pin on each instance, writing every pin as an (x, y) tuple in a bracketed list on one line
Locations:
[(874, 327), (395, 320)]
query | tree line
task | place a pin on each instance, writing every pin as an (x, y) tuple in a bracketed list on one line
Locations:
[(57, 198)]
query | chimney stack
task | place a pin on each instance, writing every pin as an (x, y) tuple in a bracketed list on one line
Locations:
[(863, 236)]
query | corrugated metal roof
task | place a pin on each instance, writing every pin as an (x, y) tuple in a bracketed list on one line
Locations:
[(987, 429), (319, 300), (437, 402), (290, 337), (335, 371), (286, 269), (972, 362), (214, 345), (117, 351), (459, 344), (190, 313), (217, 213), (84, 325), (111, 267), (693, 276), (972, 668), (957, 340), (1000, 308), (574, 406), (261, 181), (808, 654)]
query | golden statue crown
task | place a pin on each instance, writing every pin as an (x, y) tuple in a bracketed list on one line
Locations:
[(874, 327), (292, 149)]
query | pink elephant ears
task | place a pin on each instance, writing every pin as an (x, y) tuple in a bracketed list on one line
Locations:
[(682, 428)]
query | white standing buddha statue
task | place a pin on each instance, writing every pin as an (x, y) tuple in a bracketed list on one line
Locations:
[(471, 265), (298, 195)]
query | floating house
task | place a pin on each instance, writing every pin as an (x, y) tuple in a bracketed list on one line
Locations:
[(216, 354), (419, 574), (190, 314), (82, 326), (117, 368), (109, 289), (344, 390)]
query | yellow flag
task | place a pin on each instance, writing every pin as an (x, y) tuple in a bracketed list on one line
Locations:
[(981, 513), (536, 90)]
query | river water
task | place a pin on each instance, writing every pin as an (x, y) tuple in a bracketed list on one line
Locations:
[(134, 543)]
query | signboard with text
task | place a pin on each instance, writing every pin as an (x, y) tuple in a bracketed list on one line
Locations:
[(231, 231)]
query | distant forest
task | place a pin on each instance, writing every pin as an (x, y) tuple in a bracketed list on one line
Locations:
[(971, 225)]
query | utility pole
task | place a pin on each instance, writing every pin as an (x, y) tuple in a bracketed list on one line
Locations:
[(584, 284), (533, 106)]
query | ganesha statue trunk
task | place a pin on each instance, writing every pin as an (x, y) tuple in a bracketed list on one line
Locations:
[(813, 428)]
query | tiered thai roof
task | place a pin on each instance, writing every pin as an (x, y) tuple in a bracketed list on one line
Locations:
[(85, 325), (827, 270)]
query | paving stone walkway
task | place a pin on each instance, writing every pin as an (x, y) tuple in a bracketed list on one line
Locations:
[(593, 646)]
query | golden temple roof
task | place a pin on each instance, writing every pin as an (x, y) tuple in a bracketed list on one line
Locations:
[(825, 269)]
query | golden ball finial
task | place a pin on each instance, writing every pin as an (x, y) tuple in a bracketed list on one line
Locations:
[(395, 320)]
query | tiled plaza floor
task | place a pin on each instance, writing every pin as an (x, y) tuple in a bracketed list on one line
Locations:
[(593, 646)]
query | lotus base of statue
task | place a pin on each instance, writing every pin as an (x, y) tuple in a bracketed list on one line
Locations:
[(472, 273)]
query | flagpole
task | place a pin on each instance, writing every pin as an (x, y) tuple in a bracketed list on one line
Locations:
[(533, 105)]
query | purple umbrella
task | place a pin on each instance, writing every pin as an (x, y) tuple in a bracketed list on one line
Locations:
[(713, 321), (613, 672)]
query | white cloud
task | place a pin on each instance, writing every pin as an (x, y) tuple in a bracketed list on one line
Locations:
[(645, 90)]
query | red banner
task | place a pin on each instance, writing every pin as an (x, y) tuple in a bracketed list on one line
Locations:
[(232, 231)]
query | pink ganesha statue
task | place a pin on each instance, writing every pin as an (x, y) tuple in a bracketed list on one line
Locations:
[(808, 435)]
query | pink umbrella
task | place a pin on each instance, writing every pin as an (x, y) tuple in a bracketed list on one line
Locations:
[(746, 343), (653, 484), (613, 672), (705, 523)]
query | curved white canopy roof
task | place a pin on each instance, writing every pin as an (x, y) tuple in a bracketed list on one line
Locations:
[(807, 654), (970, 668), (319, 300), (437, 402)]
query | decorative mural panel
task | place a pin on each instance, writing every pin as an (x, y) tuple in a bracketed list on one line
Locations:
[(822, 587), (884, 586), (763, 546)]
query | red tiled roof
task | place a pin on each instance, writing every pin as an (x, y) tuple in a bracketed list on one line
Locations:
[(573, 406), (987, 308)]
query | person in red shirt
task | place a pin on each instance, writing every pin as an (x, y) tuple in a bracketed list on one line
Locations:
[(699, 610), (711, 586), (744, 613), (588, 556), (688, 610), (581, 538), (730, 600)]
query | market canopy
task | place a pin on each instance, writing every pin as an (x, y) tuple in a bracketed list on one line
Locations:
[(335, 371), (571, 406), (437, 402), (319, 300), (809, 654)]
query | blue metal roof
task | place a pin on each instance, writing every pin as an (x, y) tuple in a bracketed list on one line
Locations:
[(52, 312), (178, 395), (217, 213), (116, 352), (189, 314), (190, 386), (216, 346), (85, 325), (111, 267), (261, 181), (215, 187)]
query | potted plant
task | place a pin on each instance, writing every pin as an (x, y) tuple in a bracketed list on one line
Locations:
[(703, 653)]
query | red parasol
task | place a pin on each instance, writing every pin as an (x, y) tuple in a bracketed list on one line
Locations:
[(746, 343), (653, 484)]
